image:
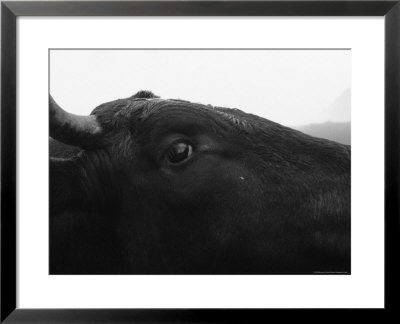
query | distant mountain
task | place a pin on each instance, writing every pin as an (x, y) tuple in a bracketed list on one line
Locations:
[(340, 109), (338, 132)]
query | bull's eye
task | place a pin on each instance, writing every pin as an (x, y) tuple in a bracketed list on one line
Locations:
[(179, 152)]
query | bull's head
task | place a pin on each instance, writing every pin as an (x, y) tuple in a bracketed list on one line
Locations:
[(170, 186)]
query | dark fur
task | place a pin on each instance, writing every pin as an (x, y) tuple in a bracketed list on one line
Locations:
[(256, 197)]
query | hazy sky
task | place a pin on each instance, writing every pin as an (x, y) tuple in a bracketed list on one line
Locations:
[(292, 87)]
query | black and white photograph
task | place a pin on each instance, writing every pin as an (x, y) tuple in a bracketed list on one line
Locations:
[(200, 161)]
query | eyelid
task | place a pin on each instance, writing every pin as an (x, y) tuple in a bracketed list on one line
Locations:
[(168, 143), (188, 146)]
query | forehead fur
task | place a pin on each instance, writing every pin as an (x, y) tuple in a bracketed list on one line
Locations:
[(144, 94), (145, 104)]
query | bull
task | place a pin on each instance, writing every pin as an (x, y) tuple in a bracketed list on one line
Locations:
[(150, 186)]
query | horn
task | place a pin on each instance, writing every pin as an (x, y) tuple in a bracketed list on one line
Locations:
[(82, 131)]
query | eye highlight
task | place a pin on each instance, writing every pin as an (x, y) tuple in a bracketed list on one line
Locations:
[(179, 152)]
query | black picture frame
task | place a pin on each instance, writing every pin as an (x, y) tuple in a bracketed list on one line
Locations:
[(11, 10)]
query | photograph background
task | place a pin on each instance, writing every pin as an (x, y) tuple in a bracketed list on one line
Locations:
[(305, 89)]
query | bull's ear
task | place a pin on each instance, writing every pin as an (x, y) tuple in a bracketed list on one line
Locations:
[(61, 150), (65, 186)]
